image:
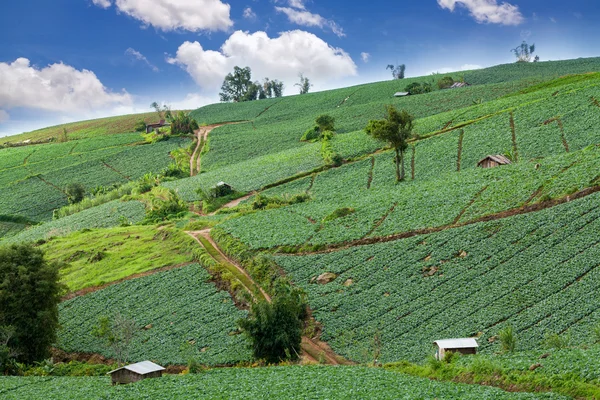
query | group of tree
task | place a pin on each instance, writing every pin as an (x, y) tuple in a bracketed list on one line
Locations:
[(238, 86), (29, 295), (524, 53), (304, 84), (418, 88), (397, 70)]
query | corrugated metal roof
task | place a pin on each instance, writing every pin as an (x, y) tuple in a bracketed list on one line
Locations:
[(499, 158), (142, 368), (459, 85), (401, 94), (456, 343)]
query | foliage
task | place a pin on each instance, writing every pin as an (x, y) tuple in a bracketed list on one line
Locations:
[(238, 87), (507, 339), (154, 137), (395, 129), (29, 297), (304, 84), (418, 88), (274, 329), (183, 124), (75, 192), (325, 122), (445, 82), (164, 112), (339, 213), (311, 134), (327, 151), (117, 334), (164, 204), (179, 314), (397, 71), (524, 52), (140, 126), (264, 202)]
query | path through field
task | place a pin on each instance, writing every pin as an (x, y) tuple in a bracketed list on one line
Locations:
[(313, 350), (201, 138)]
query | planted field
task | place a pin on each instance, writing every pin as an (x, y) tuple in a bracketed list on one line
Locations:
[(261, 383), (105, 216), (8, 229), (535, 272), (180, 315), (102, 256), (382, 208)]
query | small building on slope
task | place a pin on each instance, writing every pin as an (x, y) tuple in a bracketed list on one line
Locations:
[(152, 127), (463, 346), (135, 372), (401, 94), (493, 161)]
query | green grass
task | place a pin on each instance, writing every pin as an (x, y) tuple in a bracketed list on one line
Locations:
[(261, 383), (123, 251)]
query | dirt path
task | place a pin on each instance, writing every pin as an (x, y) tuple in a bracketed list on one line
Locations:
[(313, 350), (201, 138), (234, 203)]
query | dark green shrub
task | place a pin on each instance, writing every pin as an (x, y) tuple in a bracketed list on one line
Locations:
[(75, 192), (339, 213), (508, 339), (445, 82), (311, 134), (325, 123), (140, 126)]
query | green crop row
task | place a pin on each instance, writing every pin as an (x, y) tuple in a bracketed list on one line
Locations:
[(180, 316), (536, 272), (314, 382)]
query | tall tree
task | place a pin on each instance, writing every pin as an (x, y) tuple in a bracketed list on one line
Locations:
[(524, 52), (304, 84), (395, 129), (236, 85), (163, 112), (397, 71), (29, 295)]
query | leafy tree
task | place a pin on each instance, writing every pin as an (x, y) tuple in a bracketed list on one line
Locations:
[(117, 334), (163, 112), (236, 84), (524, 52), (418, 88), (182, 123), (395, 129), (75, 192), (140, 126), (304, 84), (29, 295), (397, 71), (445, 82), (325, 122), (275, 329), (272, 88)]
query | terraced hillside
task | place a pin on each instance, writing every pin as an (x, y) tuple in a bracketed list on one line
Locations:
[(452, 251)]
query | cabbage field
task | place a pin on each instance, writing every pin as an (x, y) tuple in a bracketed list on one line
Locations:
[(260, 383), (535, 272)]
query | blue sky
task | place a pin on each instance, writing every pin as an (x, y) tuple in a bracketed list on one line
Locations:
[(67, 60)]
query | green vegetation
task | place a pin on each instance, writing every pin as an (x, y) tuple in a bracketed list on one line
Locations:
[(101, 256), (261, 383), (178, 314), (29, 297)]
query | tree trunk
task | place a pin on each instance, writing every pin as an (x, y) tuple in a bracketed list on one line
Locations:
[(397, 160), (402, 165)]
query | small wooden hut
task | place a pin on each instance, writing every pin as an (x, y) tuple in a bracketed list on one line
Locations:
[(493, 161), (401, 94), (463, 346), (135, 372), (156, 127)]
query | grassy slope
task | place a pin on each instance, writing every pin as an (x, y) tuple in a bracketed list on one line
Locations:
[(260, 383), (120, 252)]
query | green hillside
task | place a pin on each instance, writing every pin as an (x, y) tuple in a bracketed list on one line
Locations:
[(454, 250)]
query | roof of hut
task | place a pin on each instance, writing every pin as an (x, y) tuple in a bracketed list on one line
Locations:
[(499, 158), (456, 343), (142, 368)]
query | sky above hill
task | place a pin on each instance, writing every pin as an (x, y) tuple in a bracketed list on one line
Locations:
[(68, 60)]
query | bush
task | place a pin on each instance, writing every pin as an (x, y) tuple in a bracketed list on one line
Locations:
[(262, 202), (555, 341), (339, 213), (154, 137), (418, 88), (507, 339), (140, 126), (183, 124), (311, 134), (164, 205), (75, 192), (325, 123), (445, 82)]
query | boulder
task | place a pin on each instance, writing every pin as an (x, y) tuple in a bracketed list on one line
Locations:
[(326, 277)]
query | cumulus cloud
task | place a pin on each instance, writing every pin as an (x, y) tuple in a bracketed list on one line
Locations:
[(140, 57), (282, 58), (57, 87), (306, 18), (4, 116), (170, 15), (297, 4), (102, 3), (365, 56), (249, 14), (487, 11)]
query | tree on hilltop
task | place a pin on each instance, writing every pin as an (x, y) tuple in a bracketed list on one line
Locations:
[(304, 84), (397, 71), (395, 129), (238, 86), (524, 52)]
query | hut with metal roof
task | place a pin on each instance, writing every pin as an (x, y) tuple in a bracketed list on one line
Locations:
[(135, 372), (463, 346), (401, 94), (457, 85), (493, 161)]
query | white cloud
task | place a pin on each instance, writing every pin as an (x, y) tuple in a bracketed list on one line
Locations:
[(139, 56), (297, 4), (365, 57), (249, 14), (169, 15), (280, 58), (57, 87), (102, 3), (4, 116), (487, 11), (306, 18)]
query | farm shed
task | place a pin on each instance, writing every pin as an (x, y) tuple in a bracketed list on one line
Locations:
[(459, 85), (401, 94), (136, 372), (493, 161), (463, 346), (151, 127)]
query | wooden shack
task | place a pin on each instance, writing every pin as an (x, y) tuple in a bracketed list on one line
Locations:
[(463, 346), (135, 372), (152, 127), (493, 161)]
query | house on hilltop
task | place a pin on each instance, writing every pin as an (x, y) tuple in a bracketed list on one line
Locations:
[(462, 346), (135, 372), (152, 127), (492, 161)]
